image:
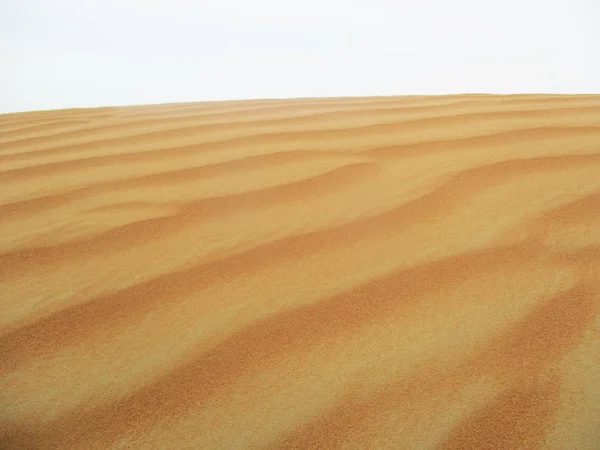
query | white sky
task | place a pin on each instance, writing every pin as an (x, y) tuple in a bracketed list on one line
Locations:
[(82, 53)]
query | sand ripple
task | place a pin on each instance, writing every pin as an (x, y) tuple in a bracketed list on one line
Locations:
[(417, 272)]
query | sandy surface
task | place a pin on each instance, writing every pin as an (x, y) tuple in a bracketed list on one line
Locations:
[(418, 272)]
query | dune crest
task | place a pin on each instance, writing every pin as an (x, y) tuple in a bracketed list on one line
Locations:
[(385, 272)]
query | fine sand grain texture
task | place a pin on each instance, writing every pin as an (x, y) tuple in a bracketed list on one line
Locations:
[(353, 273)]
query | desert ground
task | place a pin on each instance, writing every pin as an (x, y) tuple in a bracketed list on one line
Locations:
[(345, 273)]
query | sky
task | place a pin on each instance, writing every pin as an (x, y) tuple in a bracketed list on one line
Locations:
[(58, 54)]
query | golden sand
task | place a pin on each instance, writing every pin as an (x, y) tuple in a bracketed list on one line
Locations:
[(402, 272)]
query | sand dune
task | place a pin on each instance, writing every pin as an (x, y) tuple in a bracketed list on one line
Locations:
[(417, 272)]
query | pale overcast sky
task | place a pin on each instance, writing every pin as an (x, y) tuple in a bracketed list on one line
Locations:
[(83, 53)]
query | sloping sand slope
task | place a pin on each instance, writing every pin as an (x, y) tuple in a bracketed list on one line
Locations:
[(419, 272)]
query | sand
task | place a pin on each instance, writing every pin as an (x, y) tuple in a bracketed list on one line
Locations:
[(385, 272)]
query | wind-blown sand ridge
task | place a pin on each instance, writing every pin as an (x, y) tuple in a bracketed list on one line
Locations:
[(383, 272)]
